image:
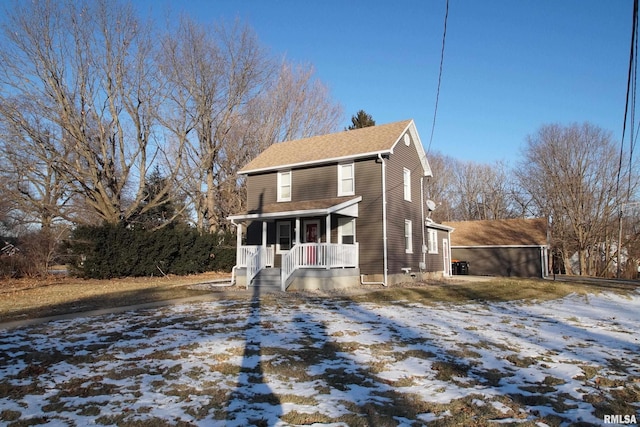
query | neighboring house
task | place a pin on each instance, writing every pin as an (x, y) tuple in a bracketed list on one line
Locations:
[(509, 247), (340, 210)]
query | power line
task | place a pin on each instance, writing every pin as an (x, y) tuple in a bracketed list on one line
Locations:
[(435, 110), (631, 83)]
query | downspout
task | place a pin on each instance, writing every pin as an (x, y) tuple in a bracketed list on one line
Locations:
[(384, 226), (422, 225)]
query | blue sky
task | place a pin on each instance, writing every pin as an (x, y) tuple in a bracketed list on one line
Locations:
[(509, 67)]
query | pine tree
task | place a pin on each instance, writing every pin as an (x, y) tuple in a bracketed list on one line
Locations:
[(361, 120)]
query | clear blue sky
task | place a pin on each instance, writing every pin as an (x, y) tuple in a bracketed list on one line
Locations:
[(510, 66)]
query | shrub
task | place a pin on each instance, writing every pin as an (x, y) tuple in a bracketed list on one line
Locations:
[(117, 251)]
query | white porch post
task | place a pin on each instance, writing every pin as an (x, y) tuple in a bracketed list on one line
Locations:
[(238, 241), (264, 235), (328, 220), (297, 241)]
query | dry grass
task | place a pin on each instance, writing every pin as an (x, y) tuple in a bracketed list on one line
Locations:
[(494, 289), (40, 297)]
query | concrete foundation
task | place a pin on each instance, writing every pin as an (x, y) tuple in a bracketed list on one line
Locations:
[(323, 279)]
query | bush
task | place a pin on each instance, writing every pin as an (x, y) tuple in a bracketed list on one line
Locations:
[(117, 251), (31, 253)]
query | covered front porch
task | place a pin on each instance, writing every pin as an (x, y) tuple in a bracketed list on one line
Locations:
[(299, 245)]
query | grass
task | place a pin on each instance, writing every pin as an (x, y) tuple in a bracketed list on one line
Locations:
[(42, 297), (183, 380)]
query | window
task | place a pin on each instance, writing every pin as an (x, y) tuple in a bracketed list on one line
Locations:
[(346, 231), (346, 180), (433, 241), (408, 240), (284, 186), (283, 238), (407, 184)]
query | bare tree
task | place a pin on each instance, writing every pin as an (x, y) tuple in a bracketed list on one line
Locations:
[(87, 68), (482, 191), (570, 173), (440, 187), (229, 101)]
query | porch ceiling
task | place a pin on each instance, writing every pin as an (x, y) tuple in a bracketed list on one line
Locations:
[(302, 209)]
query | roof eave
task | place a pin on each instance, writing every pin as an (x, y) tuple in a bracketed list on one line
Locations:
[(314, 162)]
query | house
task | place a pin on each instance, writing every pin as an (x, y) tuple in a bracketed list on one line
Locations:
[(509, 247), (340, 210)]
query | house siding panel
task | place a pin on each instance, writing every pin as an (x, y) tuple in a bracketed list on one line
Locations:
[(261, 190), (368, 184), (313, 183), (399, 210)]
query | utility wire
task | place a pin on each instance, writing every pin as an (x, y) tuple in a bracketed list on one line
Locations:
[(632, 141), (630, 85), (435, 110)]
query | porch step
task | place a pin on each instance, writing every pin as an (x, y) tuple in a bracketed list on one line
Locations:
[(268, 279)]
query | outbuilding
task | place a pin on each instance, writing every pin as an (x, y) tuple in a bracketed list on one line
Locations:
[(509, 247)]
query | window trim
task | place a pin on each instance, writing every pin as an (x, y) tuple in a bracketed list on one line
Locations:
[(408, 236), (432, 241), (406, 183), (341, 192), (343, 222), (280, 198), (278, 235)]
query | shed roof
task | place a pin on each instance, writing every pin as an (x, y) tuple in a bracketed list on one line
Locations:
[(505, 232), (338, 146)]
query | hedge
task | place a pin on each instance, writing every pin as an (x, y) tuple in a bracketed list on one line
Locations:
[(110, 251)]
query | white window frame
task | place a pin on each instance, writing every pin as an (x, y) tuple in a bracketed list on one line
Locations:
[(406, 181), (281, 185), (432, 241), (341, 178), (342, 223), (278, 235), (408, 236)]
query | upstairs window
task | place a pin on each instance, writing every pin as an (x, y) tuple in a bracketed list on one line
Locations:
[(408, 236), (407, 184), (284, 186), (346, 180)]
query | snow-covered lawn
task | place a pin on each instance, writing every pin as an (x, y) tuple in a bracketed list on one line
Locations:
[(300, 361)]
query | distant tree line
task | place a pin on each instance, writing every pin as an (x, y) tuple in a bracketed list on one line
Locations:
[(568, 174)]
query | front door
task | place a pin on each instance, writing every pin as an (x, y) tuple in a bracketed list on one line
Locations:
[(311, 235)]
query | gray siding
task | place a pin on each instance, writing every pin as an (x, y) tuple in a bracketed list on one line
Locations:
[(321, 182), (435, 262), (312, 183), (261, 190), (399, 210), (368, 175), (501, 261)]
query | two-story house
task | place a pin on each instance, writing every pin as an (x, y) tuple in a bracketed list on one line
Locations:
[(340, 210)]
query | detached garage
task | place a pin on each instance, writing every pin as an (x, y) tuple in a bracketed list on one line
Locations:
[(510, 247)]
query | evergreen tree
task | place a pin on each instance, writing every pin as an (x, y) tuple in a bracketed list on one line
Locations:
[(361, 120), (158, 209)]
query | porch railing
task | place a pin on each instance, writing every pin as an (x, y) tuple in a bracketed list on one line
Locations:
[(317, 255), (254, 258)]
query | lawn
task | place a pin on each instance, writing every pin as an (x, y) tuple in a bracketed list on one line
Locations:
[(527, 353)]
